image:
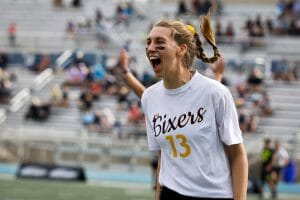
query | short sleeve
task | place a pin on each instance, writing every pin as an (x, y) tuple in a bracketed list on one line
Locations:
[(152, 143), (227, 119)]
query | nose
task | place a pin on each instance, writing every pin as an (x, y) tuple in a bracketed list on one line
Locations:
[(151, 47)]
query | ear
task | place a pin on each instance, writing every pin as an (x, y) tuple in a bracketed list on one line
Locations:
[(182, 49)]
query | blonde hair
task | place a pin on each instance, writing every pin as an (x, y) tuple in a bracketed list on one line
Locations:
[(183, 34)]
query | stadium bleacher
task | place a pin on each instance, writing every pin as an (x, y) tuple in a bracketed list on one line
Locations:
[(64, 139)]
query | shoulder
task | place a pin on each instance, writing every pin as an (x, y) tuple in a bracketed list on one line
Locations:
[(148, 93), (214, 87), (152, 89)]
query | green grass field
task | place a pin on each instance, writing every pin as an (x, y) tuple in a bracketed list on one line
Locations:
[(50, 190)]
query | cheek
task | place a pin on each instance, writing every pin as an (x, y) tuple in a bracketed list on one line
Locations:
[(160, 49)]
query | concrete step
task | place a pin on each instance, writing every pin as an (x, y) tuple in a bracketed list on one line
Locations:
[(273, 130), (295, 92), (286, 114), (281, 84), (275, 98), (292, 123), (285, 107)]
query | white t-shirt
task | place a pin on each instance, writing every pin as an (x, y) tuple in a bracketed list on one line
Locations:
[(190, 125), (281, 157)]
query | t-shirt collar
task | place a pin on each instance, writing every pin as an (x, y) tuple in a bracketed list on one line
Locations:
[(184, 87)]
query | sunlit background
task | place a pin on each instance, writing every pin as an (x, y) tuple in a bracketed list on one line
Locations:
[(70, 128)]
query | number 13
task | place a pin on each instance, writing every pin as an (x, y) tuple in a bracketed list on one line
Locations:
[(183, 143)]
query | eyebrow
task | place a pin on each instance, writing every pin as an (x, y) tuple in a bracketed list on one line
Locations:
[(156, 38)]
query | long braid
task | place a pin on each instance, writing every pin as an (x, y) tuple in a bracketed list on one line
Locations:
[(200, 51), (207, 32)]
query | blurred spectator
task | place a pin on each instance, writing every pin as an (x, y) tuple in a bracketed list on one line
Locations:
[(122, 97), (229, 32), (255, 107), (269, 26), (30, 60), (76, 3), (79, 58), (98, 16), (197, 6), (5, 85), (206, 6), (294, 28), (135, 114), (108, 118), (89, 118), (76, 76), (281, 6), (37, 63), (44, 63), (219, 30), (266, 109), (255, 80), (266, 166), (280, 160), (60, 97), (86, 100), (242, 120), (216, 7), (56, 94), (38, 110), (281, 70), (71, 29), (182, 8), (251, 126), (96, 89), (12, 34), (3, 60), (121, 14), (65, 96), (57, 3), (194, 5)]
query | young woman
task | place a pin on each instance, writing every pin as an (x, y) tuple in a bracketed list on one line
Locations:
[(192, 120)]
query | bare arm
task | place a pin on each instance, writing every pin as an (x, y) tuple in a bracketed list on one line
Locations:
[(239, 170), (130, 79), (218, 69), (157, 194)]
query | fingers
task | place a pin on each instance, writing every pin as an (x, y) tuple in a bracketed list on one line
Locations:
[(124, 59)]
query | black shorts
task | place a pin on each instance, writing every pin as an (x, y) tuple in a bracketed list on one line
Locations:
[(167, 194), (265, 176)]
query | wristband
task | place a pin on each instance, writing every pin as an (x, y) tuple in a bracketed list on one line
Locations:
[(126, 70)]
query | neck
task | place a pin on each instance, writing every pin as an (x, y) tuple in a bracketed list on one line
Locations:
[(178, 78)]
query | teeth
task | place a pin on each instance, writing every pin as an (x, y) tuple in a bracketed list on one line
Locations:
[(153, 57)]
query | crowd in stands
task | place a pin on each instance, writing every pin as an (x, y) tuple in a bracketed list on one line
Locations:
[(6, 79), (284, 70), (101, 25), (62, 3), (199, 7), (38, 63), (286, 22), (97, 79), (250, 95)]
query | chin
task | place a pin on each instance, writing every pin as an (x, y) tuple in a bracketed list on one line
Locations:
[(158, 75)]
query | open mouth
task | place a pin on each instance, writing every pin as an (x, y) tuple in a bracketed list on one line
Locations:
[(155, 62)]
